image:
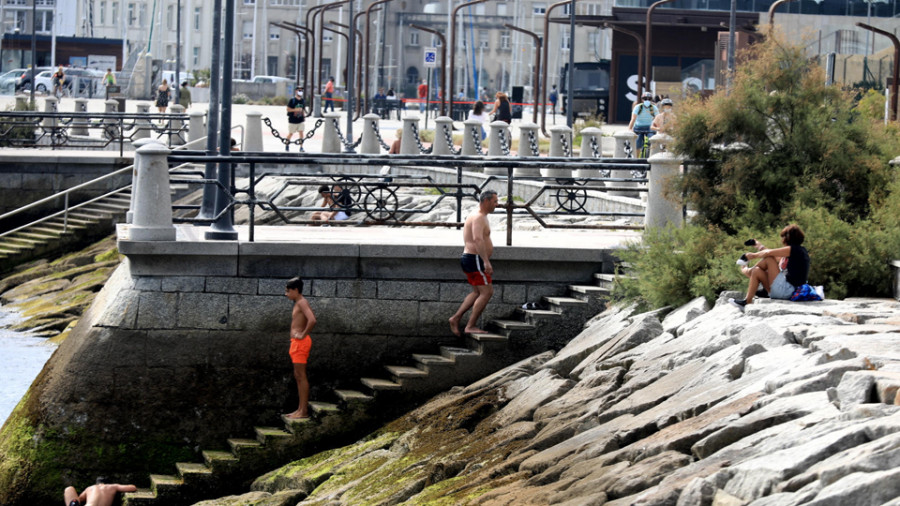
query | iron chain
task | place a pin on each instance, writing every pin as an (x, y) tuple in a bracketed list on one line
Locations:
[(378, 136), (535, 150), (449, 136), (415, 131), (504, 142)]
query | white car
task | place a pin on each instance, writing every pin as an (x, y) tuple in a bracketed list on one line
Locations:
[(44, 82)]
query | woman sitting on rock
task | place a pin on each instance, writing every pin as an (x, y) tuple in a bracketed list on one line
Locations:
[(779, 278)]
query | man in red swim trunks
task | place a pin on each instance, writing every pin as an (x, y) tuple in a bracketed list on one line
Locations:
[(302, 322), (476, 263)]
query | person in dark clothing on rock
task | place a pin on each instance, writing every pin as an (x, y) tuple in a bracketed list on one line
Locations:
[(779, 277)]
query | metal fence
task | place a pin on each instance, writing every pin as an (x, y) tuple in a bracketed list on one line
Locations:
[(373, 198)]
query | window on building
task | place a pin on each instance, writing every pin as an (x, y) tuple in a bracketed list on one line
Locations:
[(412, 75), (196, 56), (505, 40), (435, 42), (45, 22), (249, 2), (539, 8), (132, 16), (142, 15), (479, 10), (594, 42), (501, 9), (484, 39), (274, 33), (414, 38), (247, 29), (197, 13), (284, 2), (327, 37), (101, 14), (170, 17), (564, 39), (114, 13), (20, 21)]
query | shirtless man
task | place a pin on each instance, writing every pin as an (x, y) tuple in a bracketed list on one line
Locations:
[(476, 263), (101, 494), (302, 322)]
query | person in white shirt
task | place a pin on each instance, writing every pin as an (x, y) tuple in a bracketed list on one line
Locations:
[(478, 113)]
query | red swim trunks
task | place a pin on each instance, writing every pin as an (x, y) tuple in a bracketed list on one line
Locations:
[(473, 266), (300, 349)]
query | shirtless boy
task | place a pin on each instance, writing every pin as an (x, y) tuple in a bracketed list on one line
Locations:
[(302, 322), (101, 494), (476, 263)]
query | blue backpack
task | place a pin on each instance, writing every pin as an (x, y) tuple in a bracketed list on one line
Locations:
[(805, 293)]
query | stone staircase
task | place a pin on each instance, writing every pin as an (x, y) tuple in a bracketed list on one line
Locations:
[(351, 412)]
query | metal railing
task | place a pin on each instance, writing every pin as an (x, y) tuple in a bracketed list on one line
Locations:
[(373, 199), (55, 129)]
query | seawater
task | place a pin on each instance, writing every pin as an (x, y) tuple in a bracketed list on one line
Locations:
[(23, 358)]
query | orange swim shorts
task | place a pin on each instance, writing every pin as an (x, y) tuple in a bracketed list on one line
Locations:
[(300, 349)]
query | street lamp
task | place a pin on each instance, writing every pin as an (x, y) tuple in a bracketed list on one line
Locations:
[(648, 47), (449, 90)]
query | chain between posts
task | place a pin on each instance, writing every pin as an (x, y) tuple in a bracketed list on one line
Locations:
[(595, 150), (300, 140), (504, 142), (477, 139), (340, 135), (567, 150), (415, 130), (535, 150), (449, 136), (378, 136)]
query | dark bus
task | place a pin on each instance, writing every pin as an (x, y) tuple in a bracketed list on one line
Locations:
[(590, 90)]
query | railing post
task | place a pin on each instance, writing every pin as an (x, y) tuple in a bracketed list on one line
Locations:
[(51, 106), (142, 125), (408, 144), (495, 148), (79, 125), (369, 144), (660, 143), (111, 124), (152, 219), (622, 137), (441, 146), (175, 126), (21, 103), (196, 128), (317, 106), (253, 139), (129, 216), (587, 135), (664, 167), (331, 143), (558, 135), (471, 131)]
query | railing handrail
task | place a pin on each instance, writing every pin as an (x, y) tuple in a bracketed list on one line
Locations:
[(94, 115)]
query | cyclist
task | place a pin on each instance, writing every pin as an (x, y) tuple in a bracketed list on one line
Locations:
[(641, 119), (59, 81)]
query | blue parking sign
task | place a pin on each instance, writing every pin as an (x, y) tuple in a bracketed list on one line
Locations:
[(430, 57)]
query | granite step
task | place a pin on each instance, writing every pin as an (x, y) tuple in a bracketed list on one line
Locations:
[(192, 472), (512, 325), (219, 461), (380, 385), (400, 372), (429, 361), (142, 497), (164, 485), (352, 397), (240, 447), (530, 315), (269, 436)]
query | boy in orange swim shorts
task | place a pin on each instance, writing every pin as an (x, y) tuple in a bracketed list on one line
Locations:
[(302, 322)]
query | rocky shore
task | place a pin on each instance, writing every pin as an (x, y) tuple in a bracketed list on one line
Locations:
[(788, 403)]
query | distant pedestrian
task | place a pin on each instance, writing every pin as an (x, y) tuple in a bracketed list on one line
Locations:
[(422, 92), (302, 322), (665, 120), (461, 95), (554, 98), (476, 264), (502, 108), (59, 81), (101, 494), (329, 95), (184, 95), (109, 79), (162, 96), (477, 113), (296, 117)]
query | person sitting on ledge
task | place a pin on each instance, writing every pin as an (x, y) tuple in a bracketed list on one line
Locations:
[(335, 209), (779, 277), (101, 494)]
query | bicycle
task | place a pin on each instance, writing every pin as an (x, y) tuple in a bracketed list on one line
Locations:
[(642, 143)]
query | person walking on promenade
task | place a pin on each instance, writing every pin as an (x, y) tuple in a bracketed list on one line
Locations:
[(302, 322), (329, 95), (422, 92), (554, 98), (109, 79), (476, 263), (101, 494), (162, 97), (781, 270), (296, 117), (184, 95)]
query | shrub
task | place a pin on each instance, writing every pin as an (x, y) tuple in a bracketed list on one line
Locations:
[(240, 98)]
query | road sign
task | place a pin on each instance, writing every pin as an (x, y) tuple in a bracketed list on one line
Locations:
[(430, 57)]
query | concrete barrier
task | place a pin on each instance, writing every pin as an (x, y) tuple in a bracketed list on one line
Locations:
[(331, 143), (661, 211), (408, 144), (79, 125), (442, 125), (495, 145), (176, 138), (51, 104), (111, 130), (196, 126), (369, 144), (659, 143), (129, 216), (142, 126), (559, 135), (587, 151), (621, 138), (253, 140), (152, 217), (471, 131)]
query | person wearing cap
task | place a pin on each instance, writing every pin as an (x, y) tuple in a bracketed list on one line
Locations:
[(665, 120), (641, 118), (296, 117)]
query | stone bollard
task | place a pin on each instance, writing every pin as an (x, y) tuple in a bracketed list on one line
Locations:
[(442, 126), (527, 132), (495, 145), (660, 143), (129, 216), (152, 218), (661, 211), (253, 139), (196, 127), (111, 129), (176, 136), (142, 125), (80, 125), (622, 137), (408, 144), (559, 134), (471, 131), (51, 104), (369, 144), (331, 143), (317, 106), (587, 151), (22, 103)]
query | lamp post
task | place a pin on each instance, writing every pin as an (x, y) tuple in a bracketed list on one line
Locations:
[(648, 47), (449, 91), (33, 48), (299, 30), (544, 57), (366, 49), (178, 52), (321, 39), (538, 43), (896, 70)]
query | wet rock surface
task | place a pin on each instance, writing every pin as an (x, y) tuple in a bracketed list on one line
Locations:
[(785, 404)]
